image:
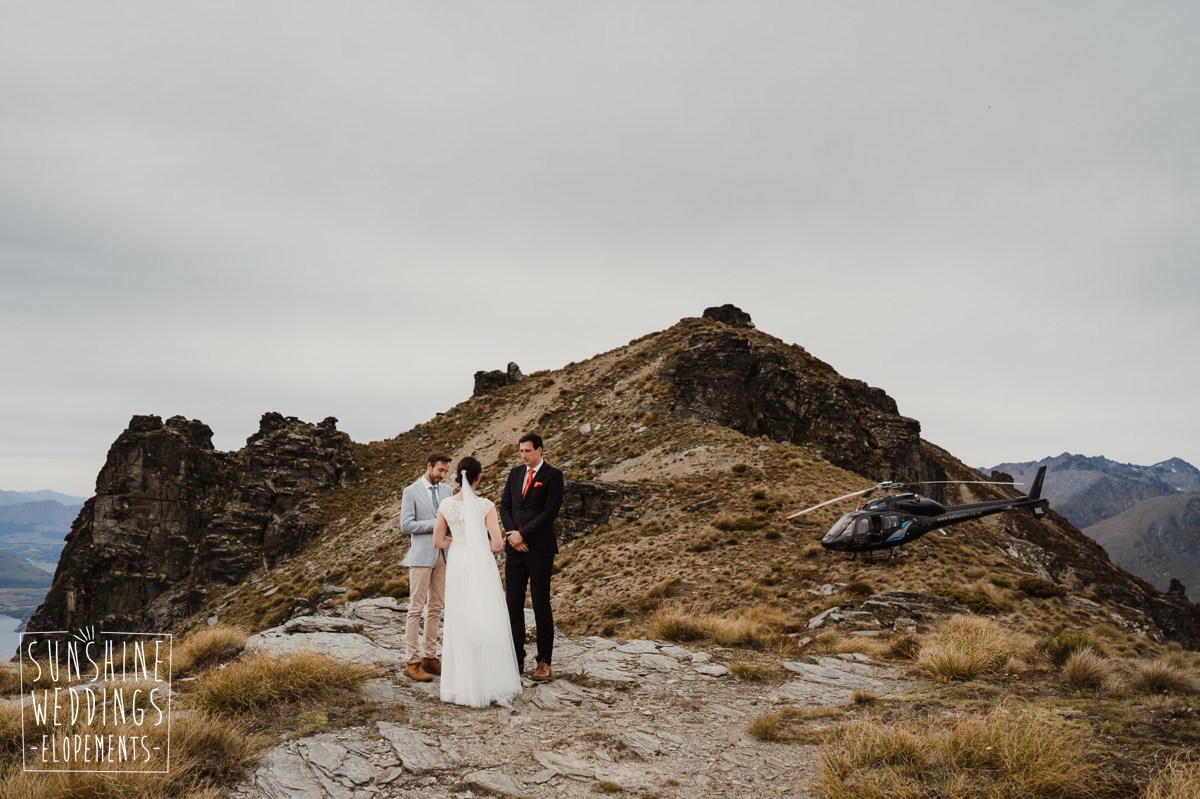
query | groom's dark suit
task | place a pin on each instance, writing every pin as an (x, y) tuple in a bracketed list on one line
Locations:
[(532, 515)]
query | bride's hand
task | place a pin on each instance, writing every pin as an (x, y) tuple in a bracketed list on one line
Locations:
[(496, 546)]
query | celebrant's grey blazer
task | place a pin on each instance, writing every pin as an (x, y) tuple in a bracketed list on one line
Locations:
[(417, 517)]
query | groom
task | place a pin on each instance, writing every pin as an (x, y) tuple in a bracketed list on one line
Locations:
[(529, 505), (426, 567)]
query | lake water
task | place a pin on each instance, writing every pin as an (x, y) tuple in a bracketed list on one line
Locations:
[(10, 639)]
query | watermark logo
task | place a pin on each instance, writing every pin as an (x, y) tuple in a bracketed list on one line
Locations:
[(96, 701)]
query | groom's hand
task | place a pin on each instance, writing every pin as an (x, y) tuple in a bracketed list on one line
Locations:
[(517, 542)]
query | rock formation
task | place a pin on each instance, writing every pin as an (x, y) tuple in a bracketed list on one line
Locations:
[(486, 382), (759, 386), (174, 519)]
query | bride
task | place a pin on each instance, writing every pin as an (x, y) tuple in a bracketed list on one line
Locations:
[(479, 663)]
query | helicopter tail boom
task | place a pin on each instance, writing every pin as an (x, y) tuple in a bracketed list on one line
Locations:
[(1038, 508)]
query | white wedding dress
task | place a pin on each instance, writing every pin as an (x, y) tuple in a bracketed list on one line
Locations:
[(479, 663)]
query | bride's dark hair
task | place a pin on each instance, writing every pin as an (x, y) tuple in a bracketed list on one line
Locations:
[(472, 467)]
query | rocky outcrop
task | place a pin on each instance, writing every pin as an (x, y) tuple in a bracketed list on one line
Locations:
[(487, 382), (173, 519), (730, 315), (760, 386), (587, 504)]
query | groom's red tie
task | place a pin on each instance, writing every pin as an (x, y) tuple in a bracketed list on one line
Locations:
[(528, 480)]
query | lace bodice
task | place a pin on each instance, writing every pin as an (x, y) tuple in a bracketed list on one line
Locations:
[(452, 510)]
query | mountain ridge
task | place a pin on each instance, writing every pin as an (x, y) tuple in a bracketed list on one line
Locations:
[(683, 451)]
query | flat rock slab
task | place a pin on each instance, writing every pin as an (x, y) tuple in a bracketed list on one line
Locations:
[(712, 670), (321, 767), (658, 662), (419, 753), (599, 667), (494, 782), (844, 675), (555, 762), (321, 624), (638, 647), (344, 646)]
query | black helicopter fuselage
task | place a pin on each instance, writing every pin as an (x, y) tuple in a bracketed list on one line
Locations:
[(894, 521)]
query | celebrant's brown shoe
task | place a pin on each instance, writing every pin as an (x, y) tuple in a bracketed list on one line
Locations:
[(414, 672), (542, 672), (432, 666)]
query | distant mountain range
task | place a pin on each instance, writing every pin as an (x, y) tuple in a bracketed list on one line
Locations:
[(21, 497), (1088, 490), (33, 526), (1146, 517), (1157, 539)]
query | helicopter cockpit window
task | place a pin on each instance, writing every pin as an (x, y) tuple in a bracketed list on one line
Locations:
[(838, 528), (862, 528)]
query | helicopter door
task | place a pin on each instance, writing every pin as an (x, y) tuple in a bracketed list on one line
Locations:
[(862, 530), (892, 526), (876, 533)]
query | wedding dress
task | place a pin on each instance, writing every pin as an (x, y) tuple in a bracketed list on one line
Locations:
[(479, 663)]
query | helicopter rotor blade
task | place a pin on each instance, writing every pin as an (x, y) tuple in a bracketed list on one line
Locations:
[(957, 482), (831, 501)]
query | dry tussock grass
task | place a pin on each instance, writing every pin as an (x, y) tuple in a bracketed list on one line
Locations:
[(1179, 779), (835, 642), (208, 647), (1002, 754), (1085, 670), (1162, 676), (207, 753), (259, 683), (787, 725), (966, 646), (758, 627), (10, 680)]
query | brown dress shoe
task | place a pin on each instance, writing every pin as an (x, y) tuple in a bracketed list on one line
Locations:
[(542, 672), (431, 666), (414, 672)]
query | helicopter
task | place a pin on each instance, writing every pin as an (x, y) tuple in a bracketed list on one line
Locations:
[(892, 521)]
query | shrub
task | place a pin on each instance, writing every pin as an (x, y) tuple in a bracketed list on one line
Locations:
[(833, 642), (675, 624), (864, 697), (966, 646), (787, 725), (206, 647), (260, 683), (1085, 670), (757, 627), (1162, 677), (1038, 588), (1001, 754), (613, 610), (10, 680), (748, 672), (905, 646), (658, 592), (734, 523), (1059, 648), (973, 600), (1179, 779)]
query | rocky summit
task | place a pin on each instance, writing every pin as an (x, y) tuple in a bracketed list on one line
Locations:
[(173, 519)]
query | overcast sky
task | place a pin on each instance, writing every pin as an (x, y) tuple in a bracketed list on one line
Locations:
[(217, 209)]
